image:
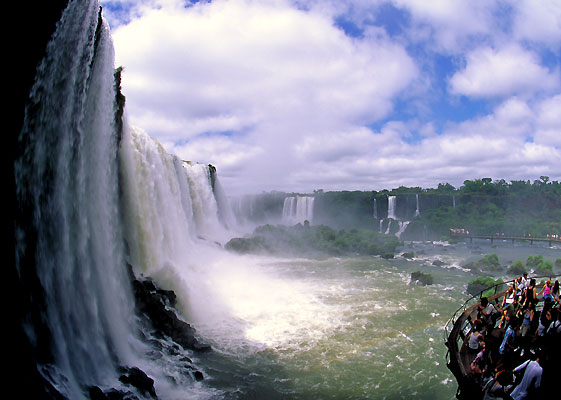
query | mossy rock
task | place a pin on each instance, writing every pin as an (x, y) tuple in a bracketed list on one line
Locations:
[(421, 278)]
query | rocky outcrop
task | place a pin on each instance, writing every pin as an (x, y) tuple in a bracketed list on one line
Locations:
[(157, 306), (421, 278)]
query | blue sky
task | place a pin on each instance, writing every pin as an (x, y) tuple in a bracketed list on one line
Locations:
[(298, 95)]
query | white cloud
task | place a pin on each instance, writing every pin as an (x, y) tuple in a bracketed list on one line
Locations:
[(548, 130), (503, 72), (539, 21), (279, 98), (273, 76)]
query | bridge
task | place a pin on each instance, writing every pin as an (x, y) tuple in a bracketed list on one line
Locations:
[(529, 239)]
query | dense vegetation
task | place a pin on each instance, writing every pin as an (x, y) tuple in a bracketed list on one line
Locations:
[(482, 206), (306, 240)]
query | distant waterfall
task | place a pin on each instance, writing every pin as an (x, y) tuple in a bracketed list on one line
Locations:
[(391, 207), (297, 209), (454, 201), (375, 209), (68, 190), (417, 210)]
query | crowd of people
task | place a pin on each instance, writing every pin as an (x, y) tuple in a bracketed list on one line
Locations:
[(514, 344)]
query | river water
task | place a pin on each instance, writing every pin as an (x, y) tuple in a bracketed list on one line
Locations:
[(336, 328)]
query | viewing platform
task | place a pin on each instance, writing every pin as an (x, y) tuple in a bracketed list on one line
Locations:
[(460, 325)]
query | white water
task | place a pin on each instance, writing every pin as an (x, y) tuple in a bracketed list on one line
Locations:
[(417, 210), (297, 209)]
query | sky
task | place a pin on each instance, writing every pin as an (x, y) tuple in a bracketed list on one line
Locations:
[(297, 96)]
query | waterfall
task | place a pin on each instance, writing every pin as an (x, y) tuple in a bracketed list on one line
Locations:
[(297, 209), (453, 201), (69, 226), (95, 194), (391, 207), (375, 209), (417, 210)]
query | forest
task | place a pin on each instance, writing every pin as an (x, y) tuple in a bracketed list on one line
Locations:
[(482, 206)]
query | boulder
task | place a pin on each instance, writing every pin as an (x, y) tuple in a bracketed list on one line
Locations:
[(136, 377), (421, 278)]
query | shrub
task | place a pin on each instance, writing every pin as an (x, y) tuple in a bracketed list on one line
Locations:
[(479, 284), (545, 267), (518, 268)]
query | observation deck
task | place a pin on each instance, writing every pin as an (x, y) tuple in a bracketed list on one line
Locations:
[(459, 326)]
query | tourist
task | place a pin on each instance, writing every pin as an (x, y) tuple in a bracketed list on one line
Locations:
[(527, 318), (497, 388), (546, 289), (518, 287), (555, 291), (508, 344), (508, 297), (509, 312), (531, 380), (475, 338), (486, 314), (544, 322), (530, 296)]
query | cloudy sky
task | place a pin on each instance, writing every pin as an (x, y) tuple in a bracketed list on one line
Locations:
[(297, 95)]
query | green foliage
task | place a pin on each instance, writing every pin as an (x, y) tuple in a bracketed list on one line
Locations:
[(489, 262), (558, 262), (517, 268), (545, 267), (421, 278), (314, 240), (534, 261), (479, 284)]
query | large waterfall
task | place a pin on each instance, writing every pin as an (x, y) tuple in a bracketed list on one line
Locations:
[(94, 194), (67, 186)]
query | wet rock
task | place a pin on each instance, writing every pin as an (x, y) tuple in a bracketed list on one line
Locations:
[(138, 378), (156, 305), (421, 278)]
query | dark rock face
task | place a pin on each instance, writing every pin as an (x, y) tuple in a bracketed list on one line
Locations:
[(156, 305), (137, 378)]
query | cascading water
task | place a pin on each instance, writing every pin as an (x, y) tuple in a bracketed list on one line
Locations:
[(417, 209), (297, 209), (67, 187), (94, 194), (391, 207)]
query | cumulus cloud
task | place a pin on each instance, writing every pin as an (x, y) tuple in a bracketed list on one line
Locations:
[(510, 70), (301, 95)]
